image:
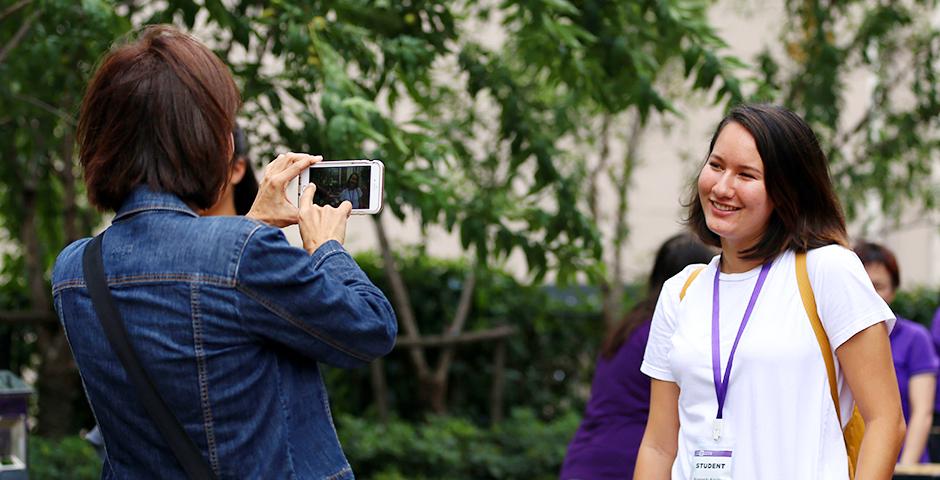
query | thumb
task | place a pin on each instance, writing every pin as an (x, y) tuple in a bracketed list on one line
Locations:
[(345, 207)]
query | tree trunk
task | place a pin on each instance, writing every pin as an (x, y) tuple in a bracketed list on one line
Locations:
[(621, 230), (406, 314), (58, 386), (499, 382), (434, 394), (57, 382), (379, 388)]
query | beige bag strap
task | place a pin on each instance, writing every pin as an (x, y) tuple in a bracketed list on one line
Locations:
[(809, 303), (688, 282)]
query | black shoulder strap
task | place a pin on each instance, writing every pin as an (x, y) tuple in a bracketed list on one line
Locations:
[(186, 452)]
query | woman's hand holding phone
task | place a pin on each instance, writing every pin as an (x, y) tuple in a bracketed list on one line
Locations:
[(319, 225), (271, 206)]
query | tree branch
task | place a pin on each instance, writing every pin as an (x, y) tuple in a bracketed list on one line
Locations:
[(18, 36), (844, 137), (69, 192), (13, 8), (495, 333), (601, 166), (68, 119), (400, 298), (27, 317), (460, 318)]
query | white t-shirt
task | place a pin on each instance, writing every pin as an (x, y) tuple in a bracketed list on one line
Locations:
[(778, 412)]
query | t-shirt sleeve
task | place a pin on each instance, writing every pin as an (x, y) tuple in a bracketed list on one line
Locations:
[(922, 355), (845, 298), (656, 359)]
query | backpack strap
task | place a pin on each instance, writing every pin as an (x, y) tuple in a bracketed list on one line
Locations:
[(809, 304), (688, 281), (854, 429)]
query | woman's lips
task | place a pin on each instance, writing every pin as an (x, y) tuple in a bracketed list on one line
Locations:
[(722, 208)]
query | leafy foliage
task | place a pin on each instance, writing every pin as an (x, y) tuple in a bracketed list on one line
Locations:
[(70, 458), (49, 48), (888, 152), (486, 139), (549, 360), (523, 447), (918, 305)]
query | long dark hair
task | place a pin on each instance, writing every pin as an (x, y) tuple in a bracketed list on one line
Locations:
[(246, 190), (806, 212), (674, 255)]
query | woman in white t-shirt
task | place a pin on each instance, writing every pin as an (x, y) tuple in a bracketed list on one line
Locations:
[(764, 194)]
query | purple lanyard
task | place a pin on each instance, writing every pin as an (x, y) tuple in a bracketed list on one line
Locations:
[(721, 386)]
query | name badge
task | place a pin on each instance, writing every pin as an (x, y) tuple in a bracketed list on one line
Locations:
[(711, 464)]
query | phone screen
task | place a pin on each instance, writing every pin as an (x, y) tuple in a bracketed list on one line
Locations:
[(338, 184)]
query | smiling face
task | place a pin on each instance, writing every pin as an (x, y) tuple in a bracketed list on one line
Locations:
[(732, 191)]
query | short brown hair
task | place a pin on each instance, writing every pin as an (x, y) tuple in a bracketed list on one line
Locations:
[(873, 253), (159, 111), (806, 212)]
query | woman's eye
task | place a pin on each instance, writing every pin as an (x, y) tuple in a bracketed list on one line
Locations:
[(714, 165), (748, 176)]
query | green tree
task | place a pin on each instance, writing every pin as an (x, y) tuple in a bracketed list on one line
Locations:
[(47, 51), (473, 133), (480, 148), (889, 152), (617, 65)]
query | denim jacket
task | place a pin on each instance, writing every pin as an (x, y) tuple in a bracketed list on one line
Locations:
[(230, 322)]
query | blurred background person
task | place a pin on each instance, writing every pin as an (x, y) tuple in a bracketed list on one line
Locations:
[(351, 192), (608, 439), (242, 187), (933, 442), (915, 357)]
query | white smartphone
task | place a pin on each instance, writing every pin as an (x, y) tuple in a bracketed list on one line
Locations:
[(361, 182)]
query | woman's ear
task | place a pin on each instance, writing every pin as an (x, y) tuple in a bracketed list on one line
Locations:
[(238, 170)]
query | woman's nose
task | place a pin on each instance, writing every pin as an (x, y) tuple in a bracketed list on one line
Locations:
[(724, 186)]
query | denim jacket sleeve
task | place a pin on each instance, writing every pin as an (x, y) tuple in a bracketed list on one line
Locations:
[(322, 306)]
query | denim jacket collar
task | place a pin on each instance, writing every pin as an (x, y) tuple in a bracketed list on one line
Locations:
[(142, 198)]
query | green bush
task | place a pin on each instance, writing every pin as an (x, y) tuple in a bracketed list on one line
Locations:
[(522, 447), (549, 361), (918, 305), (67, 458)]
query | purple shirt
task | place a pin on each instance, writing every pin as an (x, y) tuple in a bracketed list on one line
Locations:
[(608, 440), (935, 335), (913, 354)]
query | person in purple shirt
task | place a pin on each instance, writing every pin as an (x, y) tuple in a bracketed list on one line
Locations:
[(933, 443), (915, 357), (608, 439)]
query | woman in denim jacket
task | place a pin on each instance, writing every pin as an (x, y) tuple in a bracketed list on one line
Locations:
[(228, 319)]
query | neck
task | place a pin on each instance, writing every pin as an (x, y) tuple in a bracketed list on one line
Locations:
[(731, 261), (225, 206)]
